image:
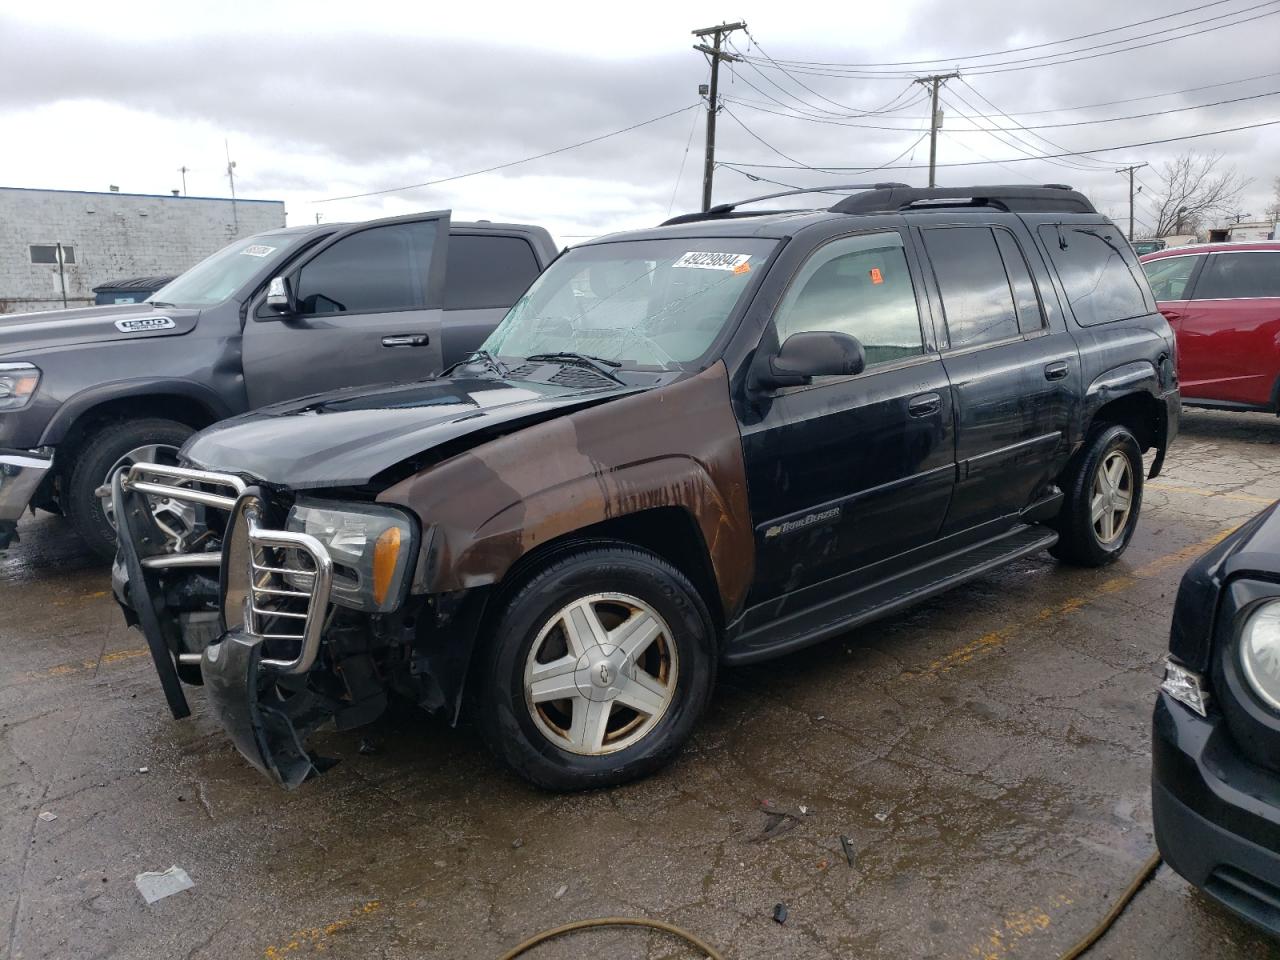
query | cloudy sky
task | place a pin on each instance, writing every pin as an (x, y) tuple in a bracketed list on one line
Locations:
[(320, 100)]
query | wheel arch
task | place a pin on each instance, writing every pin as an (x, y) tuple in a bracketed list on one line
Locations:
[(1132, 395)]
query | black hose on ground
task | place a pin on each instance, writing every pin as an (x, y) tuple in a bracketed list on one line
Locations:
[(1086, 943)]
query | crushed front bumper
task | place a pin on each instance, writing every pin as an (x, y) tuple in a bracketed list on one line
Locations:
[(254, 673), (1217, 816)]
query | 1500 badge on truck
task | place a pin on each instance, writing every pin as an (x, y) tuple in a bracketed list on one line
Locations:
[(85, 392), (711, 442)]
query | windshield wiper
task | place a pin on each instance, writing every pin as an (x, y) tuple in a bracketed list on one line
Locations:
[(599, 364), (483, 356)]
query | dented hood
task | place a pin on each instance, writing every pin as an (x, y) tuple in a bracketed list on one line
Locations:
[(347, 437), (23, 333)]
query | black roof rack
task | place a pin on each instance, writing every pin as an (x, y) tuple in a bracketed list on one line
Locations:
[(722, 211), (896, 198)]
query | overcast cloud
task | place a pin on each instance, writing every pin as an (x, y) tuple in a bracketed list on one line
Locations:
[(322, 100)]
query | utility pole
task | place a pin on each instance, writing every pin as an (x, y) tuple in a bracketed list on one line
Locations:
[(184, 169), (713, 96), (231, 175), (1129, 171), (934, 82)]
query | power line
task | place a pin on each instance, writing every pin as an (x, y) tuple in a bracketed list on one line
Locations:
[(510, 163), (1034, 46), (1050, 60), (1010, 138), (1074, 153), (1052, 144), (684, 158), (1149, 96)]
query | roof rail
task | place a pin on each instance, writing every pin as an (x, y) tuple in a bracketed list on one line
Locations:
[(723, 210), (1050, 198)]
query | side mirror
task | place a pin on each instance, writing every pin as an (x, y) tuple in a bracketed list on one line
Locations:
[(279, 296), (803, 356)]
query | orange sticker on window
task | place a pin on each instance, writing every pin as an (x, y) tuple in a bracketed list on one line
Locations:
[(743, 267), (876, 275)]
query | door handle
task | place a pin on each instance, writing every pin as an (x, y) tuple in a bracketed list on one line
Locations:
[(1171, 315), (406, 340), (1056, 371), (925, 405)]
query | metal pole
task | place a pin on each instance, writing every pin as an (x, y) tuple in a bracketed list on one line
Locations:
[(713, 99), (1130, 171), (62, 277), (935, 82)]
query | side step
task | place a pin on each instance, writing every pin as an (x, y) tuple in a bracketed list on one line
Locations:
[(879, 599)]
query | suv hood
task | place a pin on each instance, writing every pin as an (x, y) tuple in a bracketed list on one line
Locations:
[(346, 438), (24, 333)]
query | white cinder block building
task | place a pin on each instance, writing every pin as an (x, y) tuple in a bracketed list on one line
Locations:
[(106, 237)]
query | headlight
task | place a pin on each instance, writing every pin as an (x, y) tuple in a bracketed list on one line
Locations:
[(1260, 651), (18, 381), (371, 548)]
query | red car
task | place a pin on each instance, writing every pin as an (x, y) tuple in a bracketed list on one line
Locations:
[(1223, 302)]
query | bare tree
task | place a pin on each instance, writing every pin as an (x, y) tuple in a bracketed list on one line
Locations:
[(1273, 211), (1194, 187)]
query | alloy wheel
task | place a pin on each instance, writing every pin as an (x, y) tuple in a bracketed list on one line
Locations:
[(601, 674), (176, 519), (1112, 497)]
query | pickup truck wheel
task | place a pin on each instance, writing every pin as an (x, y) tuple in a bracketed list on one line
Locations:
[(115, 446), (599, 666), (1103, 498)]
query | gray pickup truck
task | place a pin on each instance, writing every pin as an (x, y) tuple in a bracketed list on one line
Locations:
[(275, 316)]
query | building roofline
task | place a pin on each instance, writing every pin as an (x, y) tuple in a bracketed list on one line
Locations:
[(149, 196)]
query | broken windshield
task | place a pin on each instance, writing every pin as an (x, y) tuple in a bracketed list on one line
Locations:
[(639, 303)]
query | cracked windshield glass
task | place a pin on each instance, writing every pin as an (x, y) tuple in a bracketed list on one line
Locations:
[(646, 304)]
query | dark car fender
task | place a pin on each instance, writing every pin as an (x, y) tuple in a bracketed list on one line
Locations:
[(1149, 390), (77, 405), (672, 446)]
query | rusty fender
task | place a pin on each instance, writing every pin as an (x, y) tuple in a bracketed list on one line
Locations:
[(672, 446)]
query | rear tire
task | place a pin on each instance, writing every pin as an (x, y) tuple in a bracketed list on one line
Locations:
[(1103, 499), (608, 626), (92, 468)]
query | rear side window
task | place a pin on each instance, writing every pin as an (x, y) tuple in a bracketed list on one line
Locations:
[(1169, 276), (976, 297), (487, 271), (1093, 264), (1030, 316), (379, 270), (1235, 276)]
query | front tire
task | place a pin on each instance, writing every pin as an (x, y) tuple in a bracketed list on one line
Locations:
[(1103, 499), (114, 446), (599, 665)]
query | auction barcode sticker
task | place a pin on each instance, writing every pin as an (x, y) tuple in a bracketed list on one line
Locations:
[(712, 261), (258, 250)]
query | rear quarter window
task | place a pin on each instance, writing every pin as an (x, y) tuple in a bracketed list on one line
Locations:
[(1098, 272)]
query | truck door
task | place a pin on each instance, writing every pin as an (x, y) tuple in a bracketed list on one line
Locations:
[(848, 471), (366, 308), (1014, 378)]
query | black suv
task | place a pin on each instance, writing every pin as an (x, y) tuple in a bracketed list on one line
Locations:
[(1215, 762), (711, 442)]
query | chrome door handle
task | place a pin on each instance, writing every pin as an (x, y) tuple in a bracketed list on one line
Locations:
[(1056, 371), (925, 405), (407, 340)]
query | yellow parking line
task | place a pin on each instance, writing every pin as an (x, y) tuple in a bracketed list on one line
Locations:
[(997, 638), (316, 939), (79, 666), (1206, 492), (1000, 940)]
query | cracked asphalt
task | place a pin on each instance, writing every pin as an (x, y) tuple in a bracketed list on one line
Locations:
[(986, 754)]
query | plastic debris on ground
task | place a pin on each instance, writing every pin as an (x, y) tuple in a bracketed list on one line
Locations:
[(564, 888), (156, 886), (779, 913), (847, 845), (48, 816)]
